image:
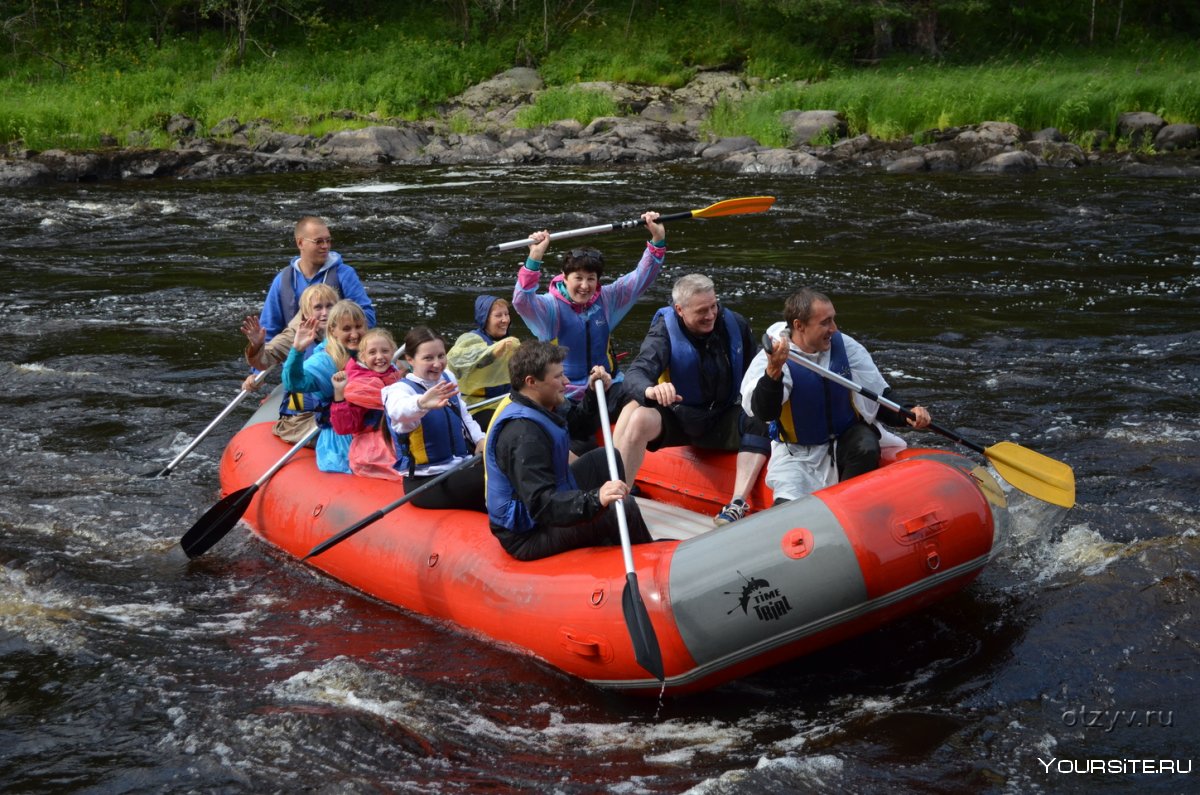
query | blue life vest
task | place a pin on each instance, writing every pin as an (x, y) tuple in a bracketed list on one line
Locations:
[(301, 402), (587, 340), (440, 437), (684, 369), (505, 509), (498, 389), (817, 410), (287, 289)]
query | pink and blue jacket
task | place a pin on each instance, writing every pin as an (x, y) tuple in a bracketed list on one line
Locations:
[(585, 329)]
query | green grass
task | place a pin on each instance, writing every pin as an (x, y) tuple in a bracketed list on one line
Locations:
[(392, 76), (1076, 93), (389, 70), (554, 104)]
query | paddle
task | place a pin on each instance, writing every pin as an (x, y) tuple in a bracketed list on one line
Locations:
[(367, 520), (641, 631), (218, 520), (162, 473), (740, 206), (1027, 470), (385, 510)]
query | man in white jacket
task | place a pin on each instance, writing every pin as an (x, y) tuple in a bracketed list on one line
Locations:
[(822, 432)]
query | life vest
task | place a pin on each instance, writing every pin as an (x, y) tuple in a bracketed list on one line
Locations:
[(817, 410), (589, 341), (303, 402), (440, 437), (498, 389), (684, 368), (287, 288), (505, 509)]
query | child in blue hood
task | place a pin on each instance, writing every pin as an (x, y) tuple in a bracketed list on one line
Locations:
[(479, 358)]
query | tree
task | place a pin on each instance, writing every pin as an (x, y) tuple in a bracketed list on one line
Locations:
[(241, 15)]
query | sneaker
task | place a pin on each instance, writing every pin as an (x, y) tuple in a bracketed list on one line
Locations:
[(731, 512)]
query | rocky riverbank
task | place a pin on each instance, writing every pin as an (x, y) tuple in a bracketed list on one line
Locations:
[(656, 125)]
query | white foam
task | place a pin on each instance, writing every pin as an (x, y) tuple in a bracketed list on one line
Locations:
[(42, 616)]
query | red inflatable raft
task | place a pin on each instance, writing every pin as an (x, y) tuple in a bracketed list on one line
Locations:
[(723, 602)]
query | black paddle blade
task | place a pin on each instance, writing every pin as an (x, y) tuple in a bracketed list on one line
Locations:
[(216, 522), (641, 631)]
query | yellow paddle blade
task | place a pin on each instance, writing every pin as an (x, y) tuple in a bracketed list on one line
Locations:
[(1033, 473), (741, 206)]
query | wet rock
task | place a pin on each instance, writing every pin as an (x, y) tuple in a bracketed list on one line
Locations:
[(909, 164), (226, 127), (24, 174), (723, 147), (776, 161), (1000, 133), (1052, 134), (78, 166), (181, 126), (1139, 127), (516, 85), (372, 145), (943, 160), (809, 125), (1061, 154), (1008, 163), (283, 142), (1161, 170), (1177, 136)]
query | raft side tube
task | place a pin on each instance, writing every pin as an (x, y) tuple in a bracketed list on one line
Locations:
[(820, 563)]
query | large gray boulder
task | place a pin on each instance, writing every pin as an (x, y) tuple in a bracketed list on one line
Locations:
[(515, 86), (1019, 162), (372, 145), (1063, 154), (1002, 133), (24, 174), (808, 125), (776, 161), (1139, 127), (723, 147), (1177, 136)]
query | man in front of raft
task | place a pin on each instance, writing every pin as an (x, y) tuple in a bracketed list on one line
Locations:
[(821, 432), (540, 504)]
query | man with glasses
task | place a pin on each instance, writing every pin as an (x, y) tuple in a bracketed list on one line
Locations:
[(317, 263), (578, 313)]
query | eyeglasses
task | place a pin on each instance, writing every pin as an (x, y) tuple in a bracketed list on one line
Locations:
[(319, 241)]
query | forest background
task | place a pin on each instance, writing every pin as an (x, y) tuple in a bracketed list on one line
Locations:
[(83, 74)]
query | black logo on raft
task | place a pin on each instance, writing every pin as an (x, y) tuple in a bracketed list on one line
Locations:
[(769, 604)]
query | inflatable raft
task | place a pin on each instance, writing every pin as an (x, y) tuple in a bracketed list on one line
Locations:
[(724, 602)]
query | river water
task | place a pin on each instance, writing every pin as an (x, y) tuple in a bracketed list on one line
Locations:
[(1057, 310)]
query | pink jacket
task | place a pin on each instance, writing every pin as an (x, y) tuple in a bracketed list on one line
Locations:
[(363, 386)]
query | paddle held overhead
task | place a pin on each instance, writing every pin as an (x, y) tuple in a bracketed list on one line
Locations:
[(739, 206)]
